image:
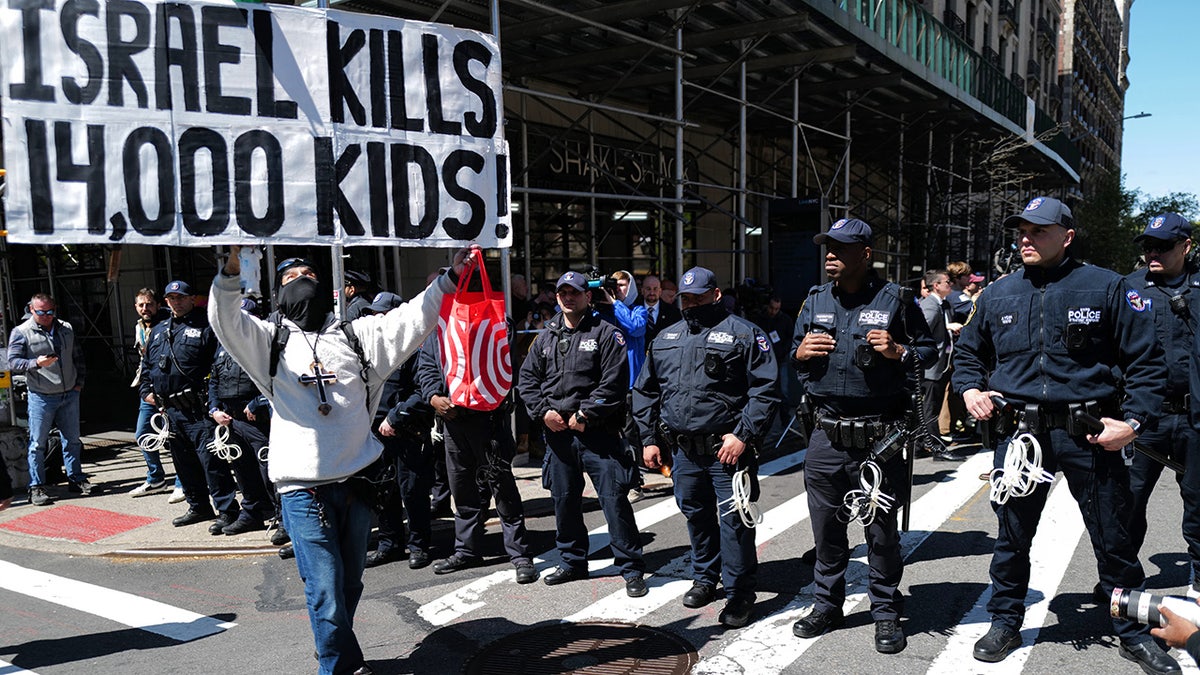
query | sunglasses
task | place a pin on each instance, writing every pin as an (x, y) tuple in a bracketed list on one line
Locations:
[(1158, 247), (44, 312)]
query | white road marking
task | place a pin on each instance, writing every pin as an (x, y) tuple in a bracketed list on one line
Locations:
[(1053, 547), (124, 608), (768, 646), (7, 668), (464, 599)]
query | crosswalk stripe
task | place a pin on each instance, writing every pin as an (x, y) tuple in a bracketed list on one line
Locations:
[(1050, 555), (768, 646), (464, 599), (124, 608), (7, 668)]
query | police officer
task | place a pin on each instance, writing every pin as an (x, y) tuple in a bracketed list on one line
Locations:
[(178, 358), (230, 394), (854, 343), (1170, 290), (479, 448), (1048, 340), (358, 291), (402, 424), (575, 380), (707, 392)]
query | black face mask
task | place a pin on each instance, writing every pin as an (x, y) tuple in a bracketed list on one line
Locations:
[(704, 316), (303, 301)]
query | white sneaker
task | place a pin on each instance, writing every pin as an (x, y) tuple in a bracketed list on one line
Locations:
[(176, 496), (148, 489), (636, 495), (1193, 592)]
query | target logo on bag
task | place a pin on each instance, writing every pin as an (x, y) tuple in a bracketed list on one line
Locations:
[(473, 335)]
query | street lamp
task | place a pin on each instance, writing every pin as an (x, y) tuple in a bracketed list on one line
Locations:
[(1137, 116)]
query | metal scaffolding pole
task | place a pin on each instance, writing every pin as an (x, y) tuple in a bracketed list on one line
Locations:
[(506, 252), (678, 152), (739, 268), (795, 138)]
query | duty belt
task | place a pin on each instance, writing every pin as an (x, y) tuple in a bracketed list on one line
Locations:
[(1177, 405), (696, 444), (859, 433), (1039, 418)]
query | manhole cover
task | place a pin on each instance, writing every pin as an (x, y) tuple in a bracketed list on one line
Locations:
[(586, 648)]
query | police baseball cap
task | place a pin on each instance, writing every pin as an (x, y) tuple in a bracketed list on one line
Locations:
[(847, 231), (574, 280), (357, 279), (1043, 211), (178, 288), (384, 302), (1168, 227), (698, 280)]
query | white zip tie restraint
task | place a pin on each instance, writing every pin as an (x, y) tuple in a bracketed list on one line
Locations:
[(263, 453), (155, 441), (221, 447), (1022, 470), (740, 502), (864, 503)]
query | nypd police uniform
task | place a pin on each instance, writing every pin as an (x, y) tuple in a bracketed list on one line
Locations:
[(584, 371), (231, 391), (704, 378), (857, 397), (179, 355), (1175, 305), (1050, 340)]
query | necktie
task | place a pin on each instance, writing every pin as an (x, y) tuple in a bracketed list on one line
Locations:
[(653, 315)]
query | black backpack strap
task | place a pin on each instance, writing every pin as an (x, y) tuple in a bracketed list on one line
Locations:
[(364, 365), (278, 341)]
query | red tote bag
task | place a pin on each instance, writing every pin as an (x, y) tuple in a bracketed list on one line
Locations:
[(473, 335)]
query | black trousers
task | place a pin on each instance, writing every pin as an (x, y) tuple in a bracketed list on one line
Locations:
[(202, 475), (1177, 439), (414, 478), (258, 496), (469, 439)]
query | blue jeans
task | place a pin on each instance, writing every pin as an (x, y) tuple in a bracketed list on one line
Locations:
[(50, 410), (329, 526), (154, 467)]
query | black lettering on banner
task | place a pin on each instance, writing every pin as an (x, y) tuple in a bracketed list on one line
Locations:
[(330, 198), (433, 88), (72, 10), (131, 164), (243, 164), (465, 52), (121, 67), (33, 88), (264, 38), (40, 193), (191, 142), (186, 57), (455, 228), (403, 155), (90, 174), (378, 78), (397, 84), (212, 19), (340, 90), (377, 192), (501, 185)]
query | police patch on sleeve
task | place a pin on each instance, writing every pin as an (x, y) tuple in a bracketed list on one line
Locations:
[(619, 337), (763, 344), (1136, 302)]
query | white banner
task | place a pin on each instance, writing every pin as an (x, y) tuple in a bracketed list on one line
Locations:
[(199, 123)]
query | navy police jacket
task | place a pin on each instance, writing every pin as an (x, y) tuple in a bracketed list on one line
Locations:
[(179, 354), (1063, 335), (229, 384), (699, 380), (837, 382), (402, 403), (585, 370), (1174, 328)]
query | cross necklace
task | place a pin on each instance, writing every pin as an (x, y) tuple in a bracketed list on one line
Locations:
[(319, 376)]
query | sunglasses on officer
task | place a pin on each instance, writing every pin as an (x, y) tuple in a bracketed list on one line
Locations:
[(1158, 246), (44, 312)]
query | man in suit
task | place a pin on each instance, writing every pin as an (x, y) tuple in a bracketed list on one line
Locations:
[(659, 314), (936, 376)]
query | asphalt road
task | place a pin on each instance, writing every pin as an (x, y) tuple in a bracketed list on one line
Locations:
[(97, 620)]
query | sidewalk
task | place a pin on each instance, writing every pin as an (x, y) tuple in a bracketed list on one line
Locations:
[(111, 523)]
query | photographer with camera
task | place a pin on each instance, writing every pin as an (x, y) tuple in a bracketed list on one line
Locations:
[(1169, 288), (1051, 340), (856, 339)]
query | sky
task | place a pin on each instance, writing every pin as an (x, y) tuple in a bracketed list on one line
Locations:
[(1161, 153)]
